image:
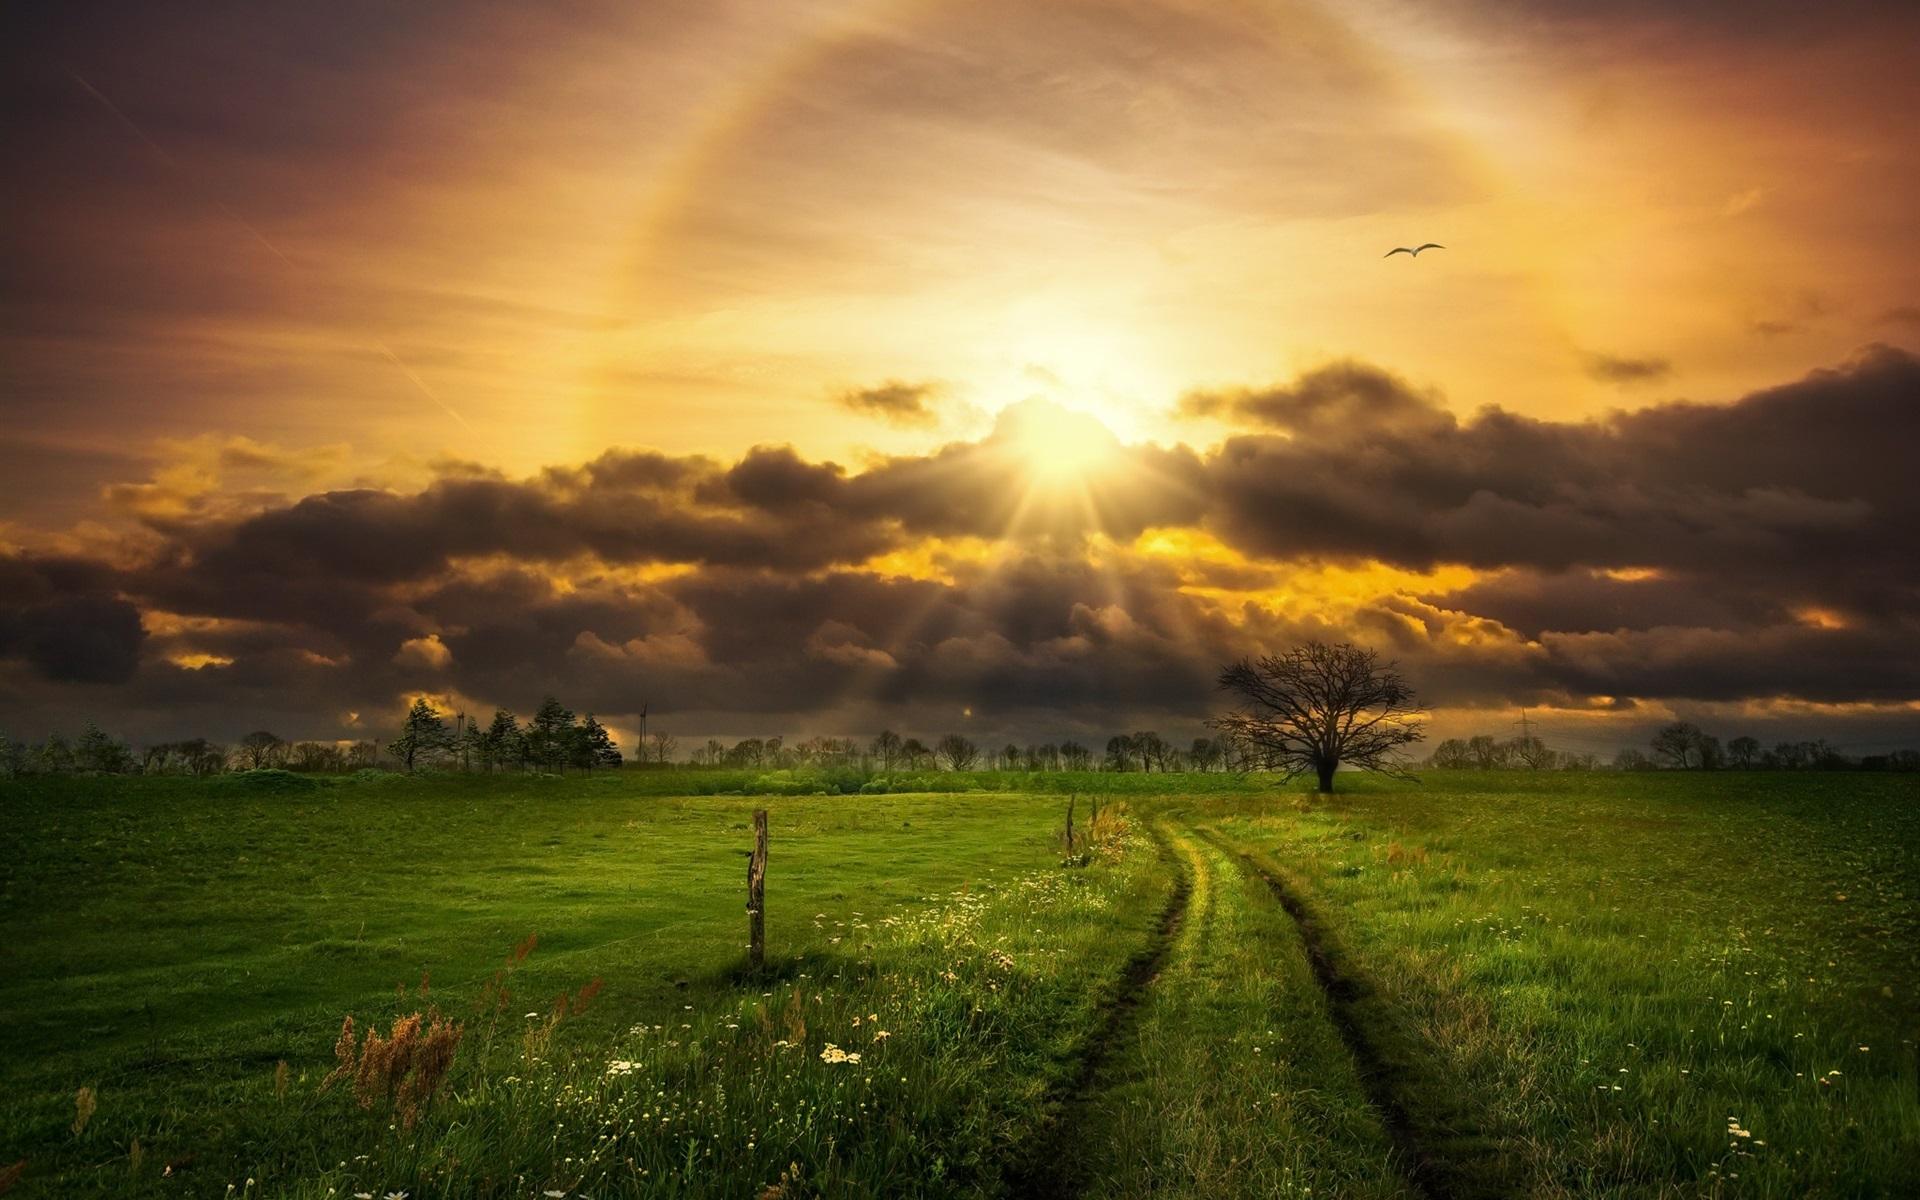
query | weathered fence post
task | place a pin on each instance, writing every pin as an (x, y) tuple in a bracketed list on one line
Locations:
[(757, 892), (1070, 799)]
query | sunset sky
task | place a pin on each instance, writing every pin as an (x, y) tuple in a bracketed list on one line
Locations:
[(997, 367)]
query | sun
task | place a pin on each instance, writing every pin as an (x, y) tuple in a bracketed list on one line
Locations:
[(1058, 448)]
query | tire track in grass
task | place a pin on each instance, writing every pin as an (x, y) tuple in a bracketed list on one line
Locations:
[(1388, 1083), (1047, 1171)]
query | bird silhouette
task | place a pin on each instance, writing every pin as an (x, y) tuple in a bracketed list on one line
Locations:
[(1414, 251)]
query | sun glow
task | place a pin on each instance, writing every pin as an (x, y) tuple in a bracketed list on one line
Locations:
[(1059, 448)]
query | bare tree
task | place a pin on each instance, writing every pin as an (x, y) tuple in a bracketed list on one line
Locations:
[(886, 748), (664, 746), (1680, 744), (1530, 752), (1317, 706), (261, 749), (957, 752)]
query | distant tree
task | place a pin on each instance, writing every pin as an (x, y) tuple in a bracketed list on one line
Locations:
[(1712, 755), (1630, 759), (886, 748), (364, 754), (316, 756), (261, 749), (1319, 705), (1204, 754), (423, 734), (1743, 752), (664, 745), (1451, 755), (549, 735), (1680, 745), (591, 745), (101, 754), (501, 743), (1119, 753), (1530, 752), (1074, 756), (1486, 751), (53, 756), (957, 752), (1148, 749)]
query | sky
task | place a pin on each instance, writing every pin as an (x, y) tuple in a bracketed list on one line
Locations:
[(1000, 367)]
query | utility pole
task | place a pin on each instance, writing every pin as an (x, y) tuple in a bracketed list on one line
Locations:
[(640, 751), (1525, 725)]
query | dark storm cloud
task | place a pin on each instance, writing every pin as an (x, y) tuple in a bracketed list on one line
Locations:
[(61, 618), (1755, 550), (1623, 369), (1798, 486), (904, 404)]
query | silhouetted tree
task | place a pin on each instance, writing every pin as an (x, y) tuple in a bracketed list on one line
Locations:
[(1681, 744), (1319, 705), (886, 748), (664, 745), (502, 744), (261, 749), (1743, 751), (422, 735), (590, 745), (957, 752), (1074, 756), (549, 735), (98, 752), (1530, 752), (1451, 755)]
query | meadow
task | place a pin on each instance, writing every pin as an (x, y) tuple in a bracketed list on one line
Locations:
[(1485, 984)]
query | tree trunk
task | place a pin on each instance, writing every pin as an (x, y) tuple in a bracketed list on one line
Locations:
[(1325, 771)]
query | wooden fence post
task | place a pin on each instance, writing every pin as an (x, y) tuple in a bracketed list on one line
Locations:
[(1070, 799), (757, 892)]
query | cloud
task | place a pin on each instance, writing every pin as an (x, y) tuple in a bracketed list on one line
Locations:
[(427, 652), (1620, 369), (897, 403), (1666, 555)]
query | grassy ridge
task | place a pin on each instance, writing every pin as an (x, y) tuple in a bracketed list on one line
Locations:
[(1648, 987)]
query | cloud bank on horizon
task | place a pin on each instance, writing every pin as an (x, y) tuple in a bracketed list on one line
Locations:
[(1758, 556)]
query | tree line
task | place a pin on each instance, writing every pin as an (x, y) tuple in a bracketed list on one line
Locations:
[(553, 739), (1680, 746), (1145, 751)]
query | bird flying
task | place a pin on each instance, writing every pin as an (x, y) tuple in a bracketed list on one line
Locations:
[(1415, 251)]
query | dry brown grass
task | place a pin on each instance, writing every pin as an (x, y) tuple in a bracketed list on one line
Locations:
[(1404, 856), (84, 1102), (403, 1070)]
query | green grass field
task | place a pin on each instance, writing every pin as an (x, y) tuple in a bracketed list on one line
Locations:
[(1486, 984)]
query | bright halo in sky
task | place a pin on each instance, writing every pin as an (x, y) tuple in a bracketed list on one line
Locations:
[(1057, 446)]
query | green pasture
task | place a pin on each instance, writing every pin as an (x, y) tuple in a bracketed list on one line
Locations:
[(1484, 984)]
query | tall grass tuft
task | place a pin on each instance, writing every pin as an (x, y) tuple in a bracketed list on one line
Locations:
[(84, 1102), (401, 1071)]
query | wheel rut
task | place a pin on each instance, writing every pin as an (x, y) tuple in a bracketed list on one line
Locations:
[(1047, 1171), (1429, 1175)]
